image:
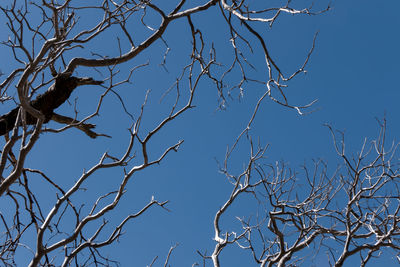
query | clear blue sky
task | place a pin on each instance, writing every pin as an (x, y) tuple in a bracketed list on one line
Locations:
[(353, 74)]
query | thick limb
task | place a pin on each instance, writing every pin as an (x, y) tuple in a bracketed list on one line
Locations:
[(57, 94), (7, 121)]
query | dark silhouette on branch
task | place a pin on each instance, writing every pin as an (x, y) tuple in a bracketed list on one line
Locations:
[(47, 102)]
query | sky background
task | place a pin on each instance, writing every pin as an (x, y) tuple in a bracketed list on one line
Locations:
[(353, 74)]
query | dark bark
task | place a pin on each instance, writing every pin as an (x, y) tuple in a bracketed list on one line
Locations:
[(47, 102)]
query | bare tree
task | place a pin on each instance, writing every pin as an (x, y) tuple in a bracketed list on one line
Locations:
[(351, 211), (53, 47)]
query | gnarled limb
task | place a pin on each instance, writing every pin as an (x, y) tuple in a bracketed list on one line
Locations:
[(85, 127), (46, 103)]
